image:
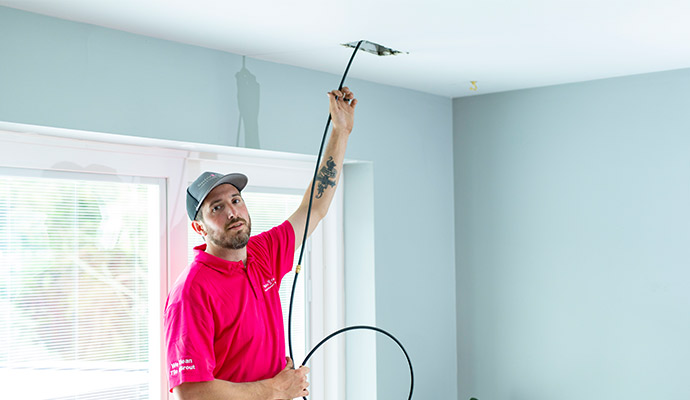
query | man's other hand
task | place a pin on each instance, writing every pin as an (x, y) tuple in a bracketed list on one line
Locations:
[(291, 383)]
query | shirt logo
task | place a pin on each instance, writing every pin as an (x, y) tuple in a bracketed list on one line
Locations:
[(269, 284), (180, 365)]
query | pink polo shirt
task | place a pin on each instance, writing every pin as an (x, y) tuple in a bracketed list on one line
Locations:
[(224, 321)]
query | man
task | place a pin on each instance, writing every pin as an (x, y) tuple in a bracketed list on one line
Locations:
[(223, 320)]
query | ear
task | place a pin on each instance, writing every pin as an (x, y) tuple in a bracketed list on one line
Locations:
[(199, 228)]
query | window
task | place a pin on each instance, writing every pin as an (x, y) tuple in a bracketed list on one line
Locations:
[(83, 270), (77, 252)]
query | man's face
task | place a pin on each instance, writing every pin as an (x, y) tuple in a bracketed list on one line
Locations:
[(225, 218)]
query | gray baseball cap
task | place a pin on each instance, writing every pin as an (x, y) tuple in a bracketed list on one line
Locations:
[(202, 186)]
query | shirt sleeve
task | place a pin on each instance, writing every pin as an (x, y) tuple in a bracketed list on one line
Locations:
[(286, 255), (189, 338), (277, 247)]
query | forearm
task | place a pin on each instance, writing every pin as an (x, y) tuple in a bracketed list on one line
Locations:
[(328, 174), (342, 106), (224, 390), (287, 384), (327, 178)]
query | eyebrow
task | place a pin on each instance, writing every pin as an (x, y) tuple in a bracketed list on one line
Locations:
[(221, 199)]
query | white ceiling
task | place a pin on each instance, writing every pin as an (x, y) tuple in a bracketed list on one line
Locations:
[(501, 44)]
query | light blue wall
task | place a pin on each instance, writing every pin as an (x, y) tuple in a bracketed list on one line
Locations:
[(573, 240), (71, 75)]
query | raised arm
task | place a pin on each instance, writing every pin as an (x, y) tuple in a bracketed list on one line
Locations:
[(342, 108)]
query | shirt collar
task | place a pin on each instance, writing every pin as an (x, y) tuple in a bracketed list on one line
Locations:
[(217, 263)]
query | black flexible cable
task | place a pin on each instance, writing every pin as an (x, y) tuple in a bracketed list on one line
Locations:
[(301, 254), (311, 198), (373, 328)]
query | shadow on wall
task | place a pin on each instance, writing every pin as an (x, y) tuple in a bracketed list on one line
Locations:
[(248, 102)]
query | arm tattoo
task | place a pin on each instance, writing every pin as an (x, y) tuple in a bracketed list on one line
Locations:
[(326, 177)]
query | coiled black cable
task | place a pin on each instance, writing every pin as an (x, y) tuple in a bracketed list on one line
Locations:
[(373, 328), (301, 254)]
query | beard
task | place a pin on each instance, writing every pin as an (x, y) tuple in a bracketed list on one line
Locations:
[(230, 239)]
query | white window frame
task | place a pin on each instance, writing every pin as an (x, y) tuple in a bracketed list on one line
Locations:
[(38, 147), (43, 148)]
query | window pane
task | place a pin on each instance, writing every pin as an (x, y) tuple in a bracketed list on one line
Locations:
[(75, 255)]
